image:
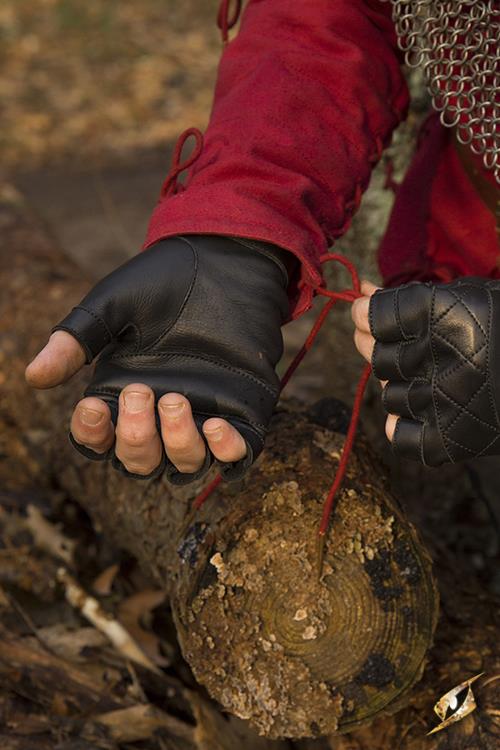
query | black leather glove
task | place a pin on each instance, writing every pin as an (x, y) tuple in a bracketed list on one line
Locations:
[(199, 315), (439, 348)]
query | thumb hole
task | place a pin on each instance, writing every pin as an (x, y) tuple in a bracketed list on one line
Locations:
[(57, 362)]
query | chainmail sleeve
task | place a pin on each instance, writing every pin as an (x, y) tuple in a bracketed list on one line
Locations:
[(457, 45)]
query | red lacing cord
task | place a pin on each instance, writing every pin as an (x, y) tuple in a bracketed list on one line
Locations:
[(224, 22), (348, 295), (171, 186)]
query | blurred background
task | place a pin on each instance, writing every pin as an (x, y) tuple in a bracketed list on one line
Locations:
[(92, 96)]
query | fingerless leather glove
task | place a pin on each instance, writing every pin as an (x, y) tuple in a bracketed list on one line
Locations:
[(439, 348), (198, 315)]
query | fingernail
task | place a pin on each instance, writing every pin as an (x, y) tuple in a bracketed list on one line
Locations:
[(91, 417), (172, 411), (215, 434), (136, 401)]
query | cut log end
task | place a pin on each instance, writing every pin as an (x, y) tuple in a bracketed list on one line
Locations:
[(294, 655)]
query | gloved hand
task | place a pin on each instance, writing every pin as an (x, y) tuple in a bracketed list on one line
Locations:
[(198, 315), (438, 348)]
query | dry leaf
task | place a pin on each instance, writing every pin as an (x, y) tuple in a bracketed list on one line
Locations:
[(103, 584), (69, 644), (135, 613), (456, 704), (48, 537), (140, 722), (103, 621)]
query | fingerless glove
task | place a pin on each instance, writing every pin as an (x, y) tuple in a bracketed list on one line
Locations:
[(438, 346), (199, 315)]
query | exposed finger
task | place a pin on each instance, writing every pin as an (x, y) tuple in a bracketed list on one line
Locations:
[(367, 288), (91, 424), (359, 314), (138, 445), (183, 443), (224, 440), (58, 361), (390, 426), (364, 344)]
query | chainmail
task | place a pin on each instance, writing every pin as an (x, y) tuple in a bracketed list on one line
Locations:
[(457, 45)]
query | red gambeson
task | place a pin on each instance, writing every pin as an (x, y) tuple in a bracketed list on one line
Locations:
[(308, 94)]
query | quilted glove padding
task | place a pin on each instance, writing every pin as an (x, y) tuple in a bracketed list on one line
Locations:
[(199, 315), (438, 346)]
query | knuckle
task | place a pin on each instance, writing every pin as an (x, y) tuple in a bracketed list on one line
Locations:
[(134, 436)]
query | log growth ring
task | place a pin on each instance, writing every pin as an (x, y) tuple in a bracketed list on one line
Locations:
[(295, 656)]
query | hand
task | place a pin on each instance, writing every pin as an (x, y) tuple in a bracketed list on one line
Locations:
[(436, 347), (188, 334)]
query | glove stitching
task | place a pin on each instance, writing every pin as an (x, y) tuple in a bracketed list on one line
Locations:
[(263, 251), (473, 453), (464, 357), (443, 314), (464, 408), (163, 334), (408, 405), (471, 312), (488, 370), (435, 371), (421, 443), (212, 360), (485, 450), (397, 316), (371, 307), (398, 360), (97, 318)]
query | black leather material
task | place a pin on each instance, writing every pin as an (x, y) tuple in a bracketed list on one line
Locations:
[(438, 346), (200, 315)]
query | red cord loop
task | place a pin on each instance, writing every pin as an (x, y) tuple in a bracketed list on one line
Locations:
[(171, 186), (224, 22)]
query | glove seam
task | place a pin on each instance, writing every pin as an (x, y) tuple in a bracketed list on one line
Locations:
[(464, 408), (464, 360), (488, 370), (97, 318), (206, 358), (434, 378), (264, 251), (184, 301)]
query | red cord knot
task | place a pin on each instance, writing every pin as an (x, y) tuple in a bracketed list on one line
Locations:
[(171, 186), (224, 22)]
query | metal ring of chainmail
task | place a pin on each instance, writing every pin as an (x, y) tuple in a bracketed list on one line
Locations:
[(456, 43)]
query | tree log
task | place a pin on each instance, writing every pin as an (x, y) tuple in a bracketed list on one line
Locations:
[(295, 656)]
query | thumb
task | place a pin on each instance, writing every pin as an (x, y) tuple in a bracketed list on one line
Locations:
[(58, 361), (367, 288)]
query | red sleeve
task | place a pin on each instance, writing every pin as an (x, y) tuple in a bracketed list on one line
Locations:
[(307, 95)]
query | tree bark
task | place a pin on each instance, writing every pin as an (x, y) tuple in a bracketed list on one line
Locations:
[(295, 656)]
